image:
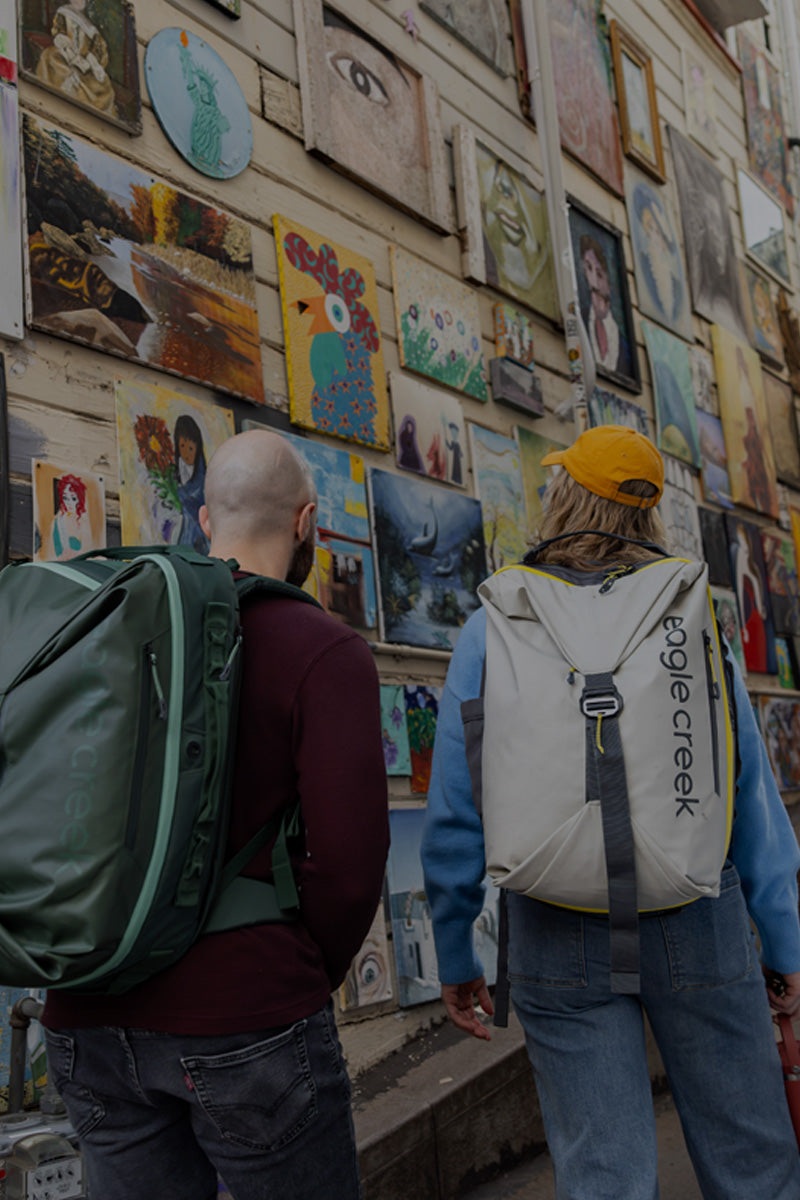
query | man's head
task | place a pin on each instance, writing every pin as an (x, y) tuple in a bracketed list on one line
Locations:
[(595, 269), (261, 506)]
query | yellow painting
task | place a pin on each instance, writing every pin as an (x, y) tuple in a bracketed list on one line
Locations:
[(334, 358), (69, 511), (743, 409)]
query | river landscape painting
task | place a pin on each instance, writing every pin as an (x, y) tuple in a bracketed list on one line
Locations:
[(129, 265)]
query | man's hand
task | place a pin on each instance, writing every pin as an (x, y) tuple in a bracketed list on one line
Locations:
[(458, 1002), (783, 992)]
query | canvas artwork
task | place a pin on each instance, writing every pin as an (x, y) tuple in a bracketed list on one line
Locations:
[(714, 459), (12, 319), (5, 469), (396, 750), (85, 52), (606, 408), (69, 511), (678, 509), (703, 380), (671, 373), (780, 726), (165, 440), (701, 109), (728, 620), (790, 335), (135, 268), (345, 581), (714, 276), (749, 578), (334, 358), (430, 557), (743, 407), (498, 485), (513, 334), (535, 478), (784, 593), (763, 228), (422, 713), (782, 418), (636, 97), (438, 325), (429, 430), (715, 546), (483, 25), (766, 135), (517, 386), (199, 103), (766, 330), (8, 42), (783, 654), (371, 113), (661, 282), (369, 979), (603, 296)]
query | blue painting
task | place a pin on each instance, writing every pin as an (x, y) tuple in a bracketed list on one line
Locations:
[(674, 394), (430, 556)]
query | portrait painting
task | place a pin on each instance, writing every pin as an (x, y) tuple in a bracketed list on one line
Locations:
[(703, 380), (483, 25), (430, 556), (671, 373), (422, 713), (198, 103), (715, 546), (743, 407), (126, 264), (12, 317), (700, 104), (603, 296), (636, 96), (781, 568), (429, 433), (371, 114), (533, 447), (85, 52), (513, 334), (714, 276), (713, 459), (782, 421), (780, 726), (661, 283), (497, 472), (763, 107), (766, 330), (69, 511), (369, 979), (165, 440), (334, 357), (750, 585), (724, 602), (763, 228), (394, 729), (678, 509), (438, 325), (606, 408)]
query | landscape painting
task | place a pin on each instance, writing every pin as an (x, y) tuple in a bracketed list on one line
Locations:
[(535, 478), (431, 557), (498, 485), (743, 407), (749, 578), (126, 264), (165, 440), (674, 394), (334, 358), (428, 429), (69, 511), (396, 751), (422, 713)]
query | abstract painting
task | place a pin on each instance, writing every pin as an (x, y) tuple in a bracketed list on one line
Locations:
[(12, 321), (763, 227), (483, 25), (535, 478), (422, 713), (674, 395), (708, 238), (750, 584), (69, 511), (784, 594), (199, 103), (498, 485), (334, 358), (140, 270), (782, 420), (780, 725), (766, 135), (678, 509), (371, 113), (85, 53), (714, 459), (165, 440), (743, 408), (396, 751), (715, 546), (661, 282), (430, 555), (438, 325), (766, 330), (701, 109), (428, 429), (369, 979), (728, 619), (513, 334), (606, 408)]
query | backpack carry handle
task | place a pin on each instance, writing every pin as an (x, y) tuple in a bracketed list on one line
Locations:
[(128, 553), (533, 554)]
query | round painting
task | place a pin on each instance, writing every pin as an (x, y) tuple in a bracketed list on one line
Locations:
[(199, 103)]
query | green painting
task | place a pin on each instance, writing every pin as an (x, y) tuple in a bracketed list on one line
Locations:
[(498, 485), (535, 478)]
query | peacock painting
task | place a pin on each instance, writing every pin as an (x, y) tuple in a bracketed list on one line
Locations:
[(334, 360)]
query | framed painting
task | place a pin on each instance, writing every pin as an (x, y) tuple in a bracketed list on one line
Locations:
[(8, 42), (713, 459), (782, 420), (507, 234), (715, 546), (703, 380), (396, 751), (636, 96), (498, 485), (699, 103), (533, 447), (430, 556), (369, 979), (12, 318), (438, 325), (603, 296), (84, 53), (135, 268), (165, 440), (750, 584), (428, 430), (606, 408), (661, 283), (766, 135), (725, 611), (334, 357), (198, 103), (513, 334), (784, 594), (763, 228), (780, 726), (714, 276), (743, 407), (422, 713), (676, 421), (678, 509), (483, 25), (69, 511), (766, 330), (371, 114)]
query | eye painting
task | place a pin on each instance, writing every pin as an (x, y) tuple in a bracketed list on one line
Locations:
[(365, 82)]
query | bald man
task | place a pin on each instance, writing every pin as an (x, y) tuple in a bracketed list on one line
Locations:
[(229, 1060)]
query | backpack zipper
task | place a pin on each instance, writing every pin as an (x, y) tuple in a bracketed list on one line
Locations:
[(150, 682), (713, 696)]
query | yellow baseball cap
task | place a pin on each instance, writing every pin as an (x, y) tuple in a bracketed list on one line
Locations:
[(605, 457)]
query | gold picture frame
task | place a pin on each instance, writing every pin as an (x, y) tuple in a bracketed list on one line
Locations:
[(638, 110)]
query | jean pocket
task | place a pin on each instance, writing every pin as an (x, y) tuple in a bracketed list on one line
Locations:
[(85, 1109), (261, 1096), (545, 944), (709, 942)]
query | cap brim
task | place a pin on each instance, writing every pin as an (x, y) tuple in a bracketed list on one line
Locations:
[(554, 458)]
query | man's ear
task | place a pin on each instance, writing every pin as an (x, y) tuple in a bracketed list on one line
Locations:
[(205, 524), (303, 520)]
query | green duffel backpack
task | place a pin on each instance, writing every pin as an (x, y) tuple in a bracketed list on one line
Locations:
[(119, 684)]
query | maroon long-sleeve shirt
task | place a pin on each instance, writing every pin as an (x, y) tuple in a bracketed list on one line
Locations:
[(309, 726)]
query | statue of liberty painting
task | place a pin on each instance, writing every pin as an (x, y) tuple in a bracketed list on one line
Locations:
[(208, 122)]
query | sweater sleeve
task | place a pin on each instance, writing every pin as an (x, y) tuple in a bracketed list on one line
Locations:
[(452, 845), (764, 848)]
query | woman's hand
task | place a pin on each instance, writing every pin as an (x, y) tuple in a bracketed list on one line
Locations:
[(783, 992), (461, 1011)]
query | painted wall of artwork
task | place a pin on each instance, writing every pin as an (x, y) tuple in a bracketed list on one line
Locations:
[(498, 485), (751, 466), (69, 511), (429, 433)]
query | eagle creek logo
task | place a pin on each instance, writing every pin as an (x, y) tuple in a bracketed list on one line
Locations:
[(91, 691), (674, 660)]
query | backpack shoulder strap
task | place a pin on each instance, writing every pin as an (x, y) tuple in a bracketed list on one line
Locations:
[(266, 585)]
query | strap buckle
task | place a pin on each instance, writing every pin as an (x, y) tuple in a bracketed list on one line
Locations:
[(600, 702)]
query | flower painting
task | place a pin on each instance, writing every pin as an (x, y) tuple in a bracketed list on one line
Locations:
[(422, 712), (394, 730)]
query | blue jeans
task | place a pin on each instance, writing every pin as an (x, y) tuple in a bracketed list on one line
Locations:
[(159, 1114), (704, 996)]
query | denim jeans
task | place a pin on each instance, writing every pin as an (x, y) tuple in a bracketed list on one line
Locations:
[(704, 996), (158, 1114)]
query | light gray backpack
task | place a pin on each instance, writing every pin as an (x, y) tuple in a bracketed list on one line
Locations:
[(602, 752)]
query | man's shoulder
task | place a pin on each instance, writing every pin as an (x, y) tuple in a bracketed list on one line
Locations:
[(302, 627)]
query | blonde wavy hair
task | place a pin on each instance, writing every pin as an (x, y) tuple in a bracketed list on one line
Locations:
[(570, 506)]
